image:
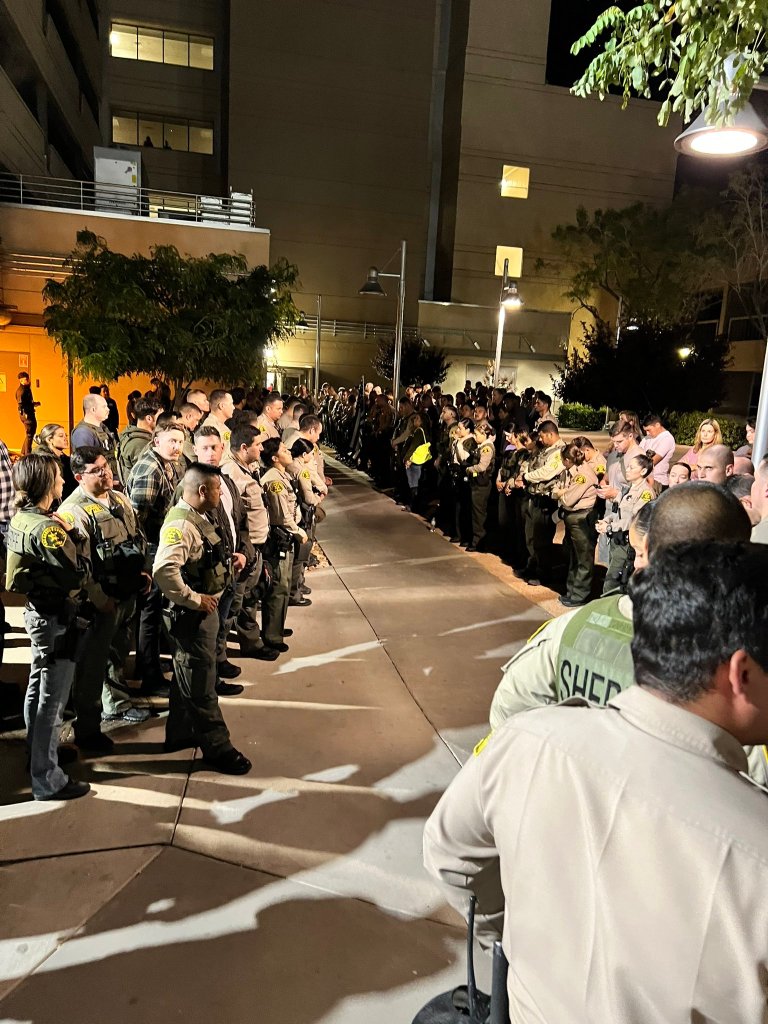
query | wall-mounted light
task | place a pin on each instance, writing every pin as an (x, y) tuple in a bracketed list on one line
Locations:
[(684, 352)]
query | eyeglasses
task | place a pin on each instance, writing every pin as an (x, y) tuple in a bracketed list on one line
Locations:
[(101, 471)]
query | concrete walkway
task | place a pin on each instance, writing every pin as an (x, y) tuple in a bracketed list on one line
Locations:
[(294, 894)]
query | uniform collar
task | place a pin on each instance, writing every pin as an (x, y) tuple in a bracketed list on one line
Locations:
[(681, 728)]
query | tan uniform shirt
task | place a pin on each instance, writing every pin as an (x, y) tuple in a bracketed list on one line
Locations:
[(484, 459), (249, 488), (579, 489), (544, 469), (266, 426), (639, 494), (180, 542), (301, 472), (760, 532), (283, 508), (623, 858)]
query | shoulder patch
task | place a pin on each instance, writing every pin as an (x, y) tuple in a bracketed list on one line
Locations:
[(172, 535), (599, 469), (486, 449), (581, 479), (646, 496), (53, 537), (225, 435), (66, 515), (305, 475), (275, 487)]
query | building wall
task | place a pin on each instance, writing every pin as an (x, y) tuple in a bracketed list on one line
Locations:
[(329, 124), (50, 85), (165, 89)]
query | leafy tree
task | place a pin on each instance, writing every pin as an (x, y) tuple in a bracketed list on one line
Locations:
[(181, 318), (679, 49), (657, 261), (420, 364), (743, 224), (644, 370)]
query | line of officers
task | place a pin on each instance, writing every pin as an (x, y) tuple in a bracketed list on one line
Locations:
[(227, 539)]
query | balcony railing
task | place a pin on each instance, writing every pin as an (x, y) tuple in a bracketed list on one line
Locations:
[(236, 209)]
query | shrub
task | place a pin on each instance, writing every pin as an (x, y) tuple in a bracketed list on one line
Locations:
[(683, 426), (575, 416)]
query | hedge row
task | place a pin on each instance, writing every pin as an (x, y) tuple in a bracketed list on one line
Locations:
[(575, 416), (683, 425)]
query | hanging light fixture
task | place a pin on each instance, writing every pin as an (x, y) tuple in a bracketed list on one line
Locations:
[(510, 296), (743, 134), (372, 285)]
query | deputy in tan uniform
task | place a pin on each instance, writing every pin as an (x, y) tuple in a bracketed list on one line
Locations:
[(480, 474), (540, 478), (586, 653), (222, 409), (284, 517), (192, 570), (270, 414), (621, 853), (615, 525)]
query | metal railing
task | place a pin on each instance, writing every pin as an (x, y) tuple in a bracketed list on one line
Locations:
[(236, 209)]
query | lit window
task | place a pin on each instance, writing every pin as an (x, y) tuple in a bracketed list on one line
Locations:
[(200, 138), (156, 132), (151, 45), (125, 129), (176, 48), (201, 52), (160, 46), (515, 256), (122, 41), (515, 181)]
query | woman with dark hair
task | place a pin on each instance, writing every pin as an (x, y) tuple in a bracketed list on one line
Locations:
[(576, 495), (52, 440), (46, 564), (130, 415)]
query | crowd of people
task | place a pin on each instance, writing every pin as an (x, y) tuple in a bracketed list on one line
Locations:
[(187, 533), (491, 470)]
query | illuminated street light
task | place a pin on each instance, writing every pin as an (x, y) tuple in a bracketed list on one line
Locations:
[(372, 286), (745, 135), (508, 299)]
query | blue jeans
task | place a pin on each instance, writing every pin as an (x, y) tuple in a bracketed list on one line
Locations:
[(413, 474), (50, 680)]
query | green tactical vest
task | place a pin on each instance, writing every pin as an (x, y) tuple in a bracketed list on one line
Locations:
[(33, 566), (211, 573), (594, 660), (118, 549)]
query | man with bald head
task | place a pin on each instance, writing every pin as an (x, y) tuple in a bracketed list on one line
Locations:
[(586, 652), (715, 464)]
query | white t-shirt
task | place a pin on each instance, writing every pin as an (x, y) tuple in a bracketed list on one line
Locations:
[(663, 445)]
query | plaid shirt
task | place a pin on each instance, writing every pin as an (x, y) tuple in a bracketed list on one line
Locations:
[(6, 489), (150, 489)]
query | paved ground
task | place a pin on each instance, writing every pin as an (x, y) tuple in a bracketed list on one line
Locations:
[(294, 894)]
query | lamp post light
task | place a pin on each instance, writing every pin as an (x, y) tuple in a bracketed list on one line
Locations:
[(372, 287), (508, 299), (745, 135)]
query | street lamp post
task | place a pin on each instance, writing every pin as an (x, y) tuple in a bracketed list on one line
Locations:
[(317, 345), (372, 287), (508, 299)]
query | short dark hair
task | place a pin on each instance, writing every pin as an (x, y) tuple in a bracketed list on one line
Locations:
[(217, 396), (301, 447), (22, 375), (620, 427), (652, 418), (207, 430), (190, 407), (94, 389), (309, 420), (697, 511), (547, 425), (685, 465), (692, 608), (269, 450), (168, 419), (144, 407), (85, 456), (243, 433), (300, 408), (238, 395), (542, 396), (199, 473), (272, 397), (739, 484)]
